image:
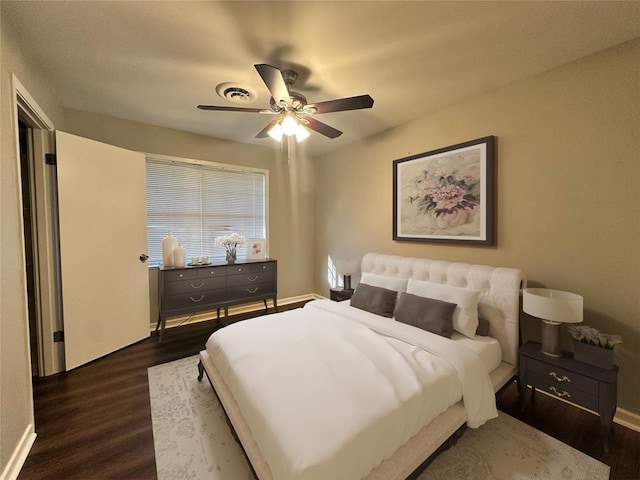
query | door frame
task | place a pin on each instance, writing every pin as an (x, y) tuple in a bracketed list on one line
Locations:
[(46, 262)]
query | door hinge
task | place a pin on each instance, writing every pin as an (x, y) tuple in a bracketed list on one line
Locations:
[(58, 336), (50, 159)]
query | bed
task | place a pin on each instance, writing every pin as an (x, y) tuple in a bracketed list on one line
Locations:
[(340, 390)]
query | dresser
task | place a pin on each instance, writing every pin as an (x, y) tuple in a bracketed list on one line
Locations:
[(593, 388), (195, 289)]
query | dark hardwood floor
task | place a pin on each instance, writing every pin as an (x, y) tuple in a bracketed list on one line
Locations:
[(95, 421)]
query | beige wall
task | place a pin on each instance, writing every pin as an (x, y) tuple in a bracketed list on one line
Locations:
[(290, 223), (568, 191), (16, 411)]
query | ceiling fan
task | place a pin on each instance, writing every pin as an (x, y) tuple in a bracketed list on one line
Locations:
[(295, 115)]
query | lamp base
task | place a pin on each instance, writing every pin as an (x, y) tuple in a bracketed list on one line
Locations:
[(346, 283), (550, 338)]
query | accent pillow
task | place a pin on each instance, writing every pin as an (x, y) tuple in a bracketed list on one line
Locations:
[(484, 327), (465, 317), (390, 283), (378, 300), (429, 314)]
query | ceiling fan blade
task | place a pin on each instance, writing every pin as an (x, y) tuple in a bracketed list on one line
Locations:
[(342, 104), (230, 109), (264, 133), (320, 127), (272, 78)]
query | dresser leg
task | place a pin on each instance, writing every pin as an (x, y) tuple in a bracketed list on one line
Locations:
[(200, 370), (275, 304), (162, 322)]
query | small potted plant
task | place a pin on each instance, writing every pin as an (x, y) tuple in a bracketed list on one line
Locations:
[(592, 347)]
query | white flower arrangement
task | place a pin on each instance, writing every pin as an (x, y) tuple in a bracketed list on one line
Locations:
[(591, 336), (230, 243)]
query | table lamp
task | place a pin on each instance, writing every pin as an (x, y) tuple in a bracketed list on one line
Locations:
[(554, 307), (346, 268)]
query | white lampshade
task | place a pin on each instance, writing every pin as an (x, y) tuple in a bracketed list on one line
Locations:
[(552, 305), (346, 266)]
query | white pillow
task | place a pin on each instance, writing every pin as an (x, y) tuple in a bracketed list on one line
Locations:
[(465, 316), (390, 283)]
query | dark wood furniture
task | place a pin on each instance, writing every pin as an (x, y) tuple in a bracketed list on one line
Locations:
[(339, 295), (563, 377), (201, 288)]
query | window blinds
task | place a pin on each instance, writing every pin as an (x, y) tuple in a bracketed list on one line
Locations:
[(200, 202)]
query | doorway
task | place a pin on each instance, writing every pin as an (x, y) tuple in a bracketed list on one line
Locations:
[(25, 138), (37, 186)]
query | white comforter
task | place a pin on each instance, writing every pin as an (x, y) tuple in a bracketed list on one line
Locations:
[(329, 396)]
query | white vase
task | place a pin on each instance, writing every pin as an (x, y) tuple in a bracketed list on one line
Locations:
[(179, 256), (169, 243)]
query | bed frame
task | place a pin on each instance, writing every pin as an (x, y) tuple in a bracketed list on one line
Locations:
[(499, 303)]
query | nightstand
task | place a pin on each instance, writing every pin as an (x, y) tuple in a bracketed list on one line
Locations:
[(593, 388), (339, 295)]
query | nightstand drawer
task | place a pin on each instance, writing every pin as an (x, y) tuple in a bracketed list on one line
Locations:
[(566, 391), (557, 376)]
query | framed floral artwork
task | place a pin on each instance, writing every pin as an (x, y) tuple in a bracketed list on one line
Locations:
[(446, 195), (256, 249)]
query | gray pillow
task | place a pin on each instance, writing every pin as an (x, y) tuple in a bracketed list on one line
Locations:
[(376, 300), (483, 327), (435, 316)]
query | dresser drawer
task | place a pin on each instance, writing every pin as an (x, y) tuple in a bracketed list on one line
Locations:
[(559, 376), (236, 293), (176, 275), (250, 279), (195, 285), (251, 268), (207, 272), (195, 300)]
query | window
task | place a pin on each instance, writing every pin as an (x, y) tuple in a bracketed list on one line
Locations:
[(198, 202)]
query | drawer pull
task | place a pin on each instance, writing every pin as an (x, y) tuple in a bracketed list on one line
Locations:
[(252, 290), (197, 286), (564, 378), (564, 393), (198, 300), (252, 279)]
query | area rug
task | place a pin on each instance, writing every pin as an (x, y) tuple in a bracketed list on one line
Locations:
[(192, 440)]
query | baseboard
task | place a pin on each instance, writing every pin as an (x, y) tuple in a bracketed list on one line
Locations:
[(246, 308), (627, 419), (19, 455)]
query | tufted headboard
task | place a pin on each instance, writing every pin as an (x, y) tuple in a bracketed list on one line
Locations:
[(499, 300)]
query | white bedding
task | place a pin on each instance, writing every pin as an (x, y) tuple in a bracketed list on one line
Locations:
[(399, 378), (487, 348)]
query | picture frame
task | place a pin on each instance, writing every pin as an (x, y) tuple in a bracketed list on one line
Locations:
[(256, 249), (446, 195)]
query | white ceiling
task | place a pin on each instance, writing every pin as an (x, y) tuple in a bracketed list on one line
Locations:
[(154, 61)]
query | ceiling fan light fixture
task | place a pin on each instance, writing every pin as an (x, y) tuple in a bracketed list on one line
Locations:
[(276, 132), (301, 133), (289, 125)]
